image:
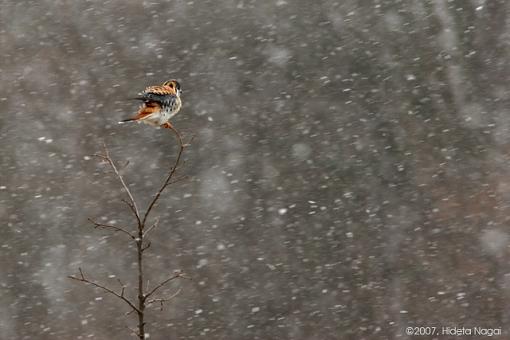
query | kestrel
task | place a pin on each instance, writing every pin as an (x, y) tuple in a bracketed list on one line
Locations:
[(160, 103)]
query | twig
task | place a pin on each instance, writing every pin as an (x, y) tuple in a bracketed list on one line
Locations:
[(151, 301), (175, 276), (106, 289), (168, 178), (133, 209), (152, 227), (109, 226), (161, 301), (122, 286), (132, 202), (144, 248)]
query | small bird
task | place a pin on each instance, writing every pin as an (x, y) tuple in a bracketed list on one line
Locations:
[(160, 103)]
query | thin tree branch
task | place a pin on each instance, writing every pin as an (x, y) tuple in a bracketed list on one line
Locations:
[(109, 226), (133, 209), (152, 227), (154, 290), (121, 296), (168, 178), (163, 300), (144, 248), (132, 202), (122, 286)]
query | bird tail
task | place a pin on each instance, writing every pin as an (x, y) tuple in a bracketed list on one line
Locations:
[(127, 120)]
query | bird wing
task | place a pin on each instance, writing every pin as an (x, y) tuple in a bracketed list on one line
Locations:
[(158, 94)]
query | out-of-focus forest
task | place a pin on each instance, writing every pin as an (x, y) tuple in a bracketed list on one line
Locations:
[(349, 175)]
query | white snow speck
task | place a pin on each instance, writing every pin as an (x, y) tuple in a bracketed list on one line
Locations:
[(494, 241), (202, 263), (282, 211), (278, 55)]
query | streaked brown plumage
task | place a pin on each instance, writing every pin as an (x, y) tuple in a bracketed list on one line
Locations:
[(160, 103)]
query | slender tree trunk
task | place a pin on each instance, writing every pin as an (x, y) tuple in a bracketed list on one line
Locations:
[(144, 297), (141, 297)]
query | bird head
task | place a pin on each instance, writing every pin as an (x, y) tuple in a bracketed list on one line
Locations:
[(174, 84)]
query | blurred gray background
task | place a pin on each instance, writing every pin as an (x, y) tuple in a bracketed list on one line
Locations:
[(349, 176)]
